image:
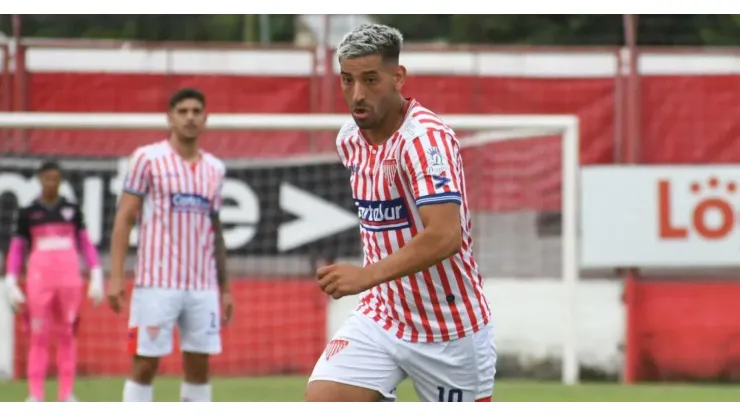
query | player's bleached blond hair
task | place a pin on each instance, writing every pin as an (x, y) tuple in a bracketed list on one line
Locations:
[(371, 39)]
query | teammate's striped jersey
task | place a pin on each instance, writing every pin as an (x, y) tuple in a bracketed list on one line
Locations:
[(175, 241), (419, 165)]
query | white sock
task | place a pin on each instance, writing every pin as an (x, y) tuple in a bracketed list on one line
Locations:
[(135, 392), (195, 392)]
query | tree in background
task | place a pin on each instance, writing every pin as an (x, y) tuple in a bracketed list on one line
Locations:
[(701, 30)]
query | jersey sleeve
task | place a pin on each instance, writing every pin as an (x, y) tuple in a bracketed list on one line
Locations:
[(21, 226), (430, 163), (18, 243), (341, 153), (218, 197), (139, 175), (79, 219), (341, 143)]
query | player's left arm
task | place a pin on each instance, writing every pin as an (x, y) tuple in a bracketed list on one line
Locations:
[(95, 288), (430, 166), (220, 253), (218, 236)]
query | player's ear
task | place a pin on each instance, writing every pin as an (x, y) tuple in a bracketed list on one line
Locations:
[(169, 119), (399, 77)]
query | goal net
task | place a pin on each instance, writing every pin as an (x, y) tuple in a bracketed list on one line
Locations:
[(284, 215)]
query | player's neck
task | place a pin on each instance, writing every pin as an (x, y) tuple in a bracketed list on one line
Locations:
[(49, 200), (388, 126), (188, 150)]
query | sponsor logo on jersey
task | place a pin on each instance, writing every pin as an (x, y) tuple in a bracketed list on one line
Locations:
[(382, 215), (441, 180), (49, 243), (437, 162), (190, 203)]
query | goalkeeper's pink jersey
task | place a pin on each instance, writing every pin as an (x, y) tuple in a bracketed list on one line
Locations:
[(55, 236), (419, 165), (176, 240)]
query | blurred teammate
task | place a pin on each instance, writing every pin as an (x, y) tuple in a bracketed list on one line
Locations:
[(54, 231), (422, 311), (173, 188)]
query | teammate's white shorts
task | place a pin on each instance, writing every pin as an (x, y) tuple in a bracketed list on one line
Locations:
[(156, 311), (364, 354)]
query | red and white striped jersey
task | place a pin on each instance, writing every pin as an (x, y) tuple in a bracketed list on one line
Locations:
[(419, 165), (176, 240)]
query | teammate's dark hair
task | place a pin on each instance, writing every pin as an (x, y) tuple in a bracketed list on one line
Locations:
[(186, 94), (49, 165)]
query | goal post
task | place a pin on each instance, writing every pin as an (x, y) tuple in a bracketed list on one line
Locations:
[(480, 130)]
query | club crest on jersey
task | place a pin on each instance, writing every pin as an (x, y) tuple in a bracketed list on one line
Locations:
[(437, 162), (67, 213), (190, 203), (389, 171), (377, 216)]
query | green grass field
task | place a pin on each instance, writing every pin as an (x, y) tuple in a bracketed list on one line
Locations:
[(284, 389)]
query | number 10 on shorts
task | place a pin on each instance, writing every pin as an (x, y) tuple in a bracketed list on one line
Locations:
[(453, 395)]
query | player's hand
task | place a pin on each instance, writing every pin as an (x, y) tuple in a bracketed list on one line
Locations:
[(14, 293), (116, 293), (227, 306), (339, 280), (95, 291)]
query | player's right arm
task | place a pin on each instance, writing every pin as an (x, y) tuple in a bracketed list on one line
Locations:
[(16, 252), (135, 187), (430, 166)]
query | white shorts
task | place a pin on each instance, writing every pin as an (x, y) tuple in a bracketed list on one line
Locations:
[(156, 311), (364, 354)]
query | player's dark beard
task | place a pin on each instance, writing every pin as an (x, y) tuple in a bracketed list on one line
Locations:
[(366, 124), (187, 137)]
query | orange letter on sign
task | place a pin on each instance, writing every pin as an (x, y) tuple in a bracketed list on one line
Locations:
[(666, 228)]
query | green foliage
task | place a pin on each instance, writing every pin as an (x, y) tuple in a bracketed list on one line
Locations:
[(699, 30), (193, 28)]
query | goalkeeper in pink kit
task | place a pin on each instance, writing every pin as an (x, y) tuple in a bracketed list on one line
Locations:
[(53, 229)]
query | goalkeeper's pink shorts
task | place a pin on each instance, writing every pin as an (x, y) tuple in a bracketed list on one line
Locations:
[(51, 305)]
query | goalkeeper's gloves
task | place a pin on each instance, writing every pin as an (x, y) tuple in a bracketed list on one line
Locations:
[(95, 291), (13, 292)]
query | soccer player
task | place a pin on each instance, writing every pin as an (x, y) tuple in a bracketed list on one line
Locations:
[(173, 188), (422, 313), (53, 229)]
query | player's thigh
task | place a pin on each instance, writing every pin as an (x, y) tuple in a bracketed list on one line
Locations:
[(461, 370), (39, 307), (153, 314), (67, 307), (359, 355), (200, 322)]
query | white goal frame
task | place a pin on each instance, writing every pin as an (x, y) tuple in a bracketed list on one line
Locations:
[(492, 128)]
